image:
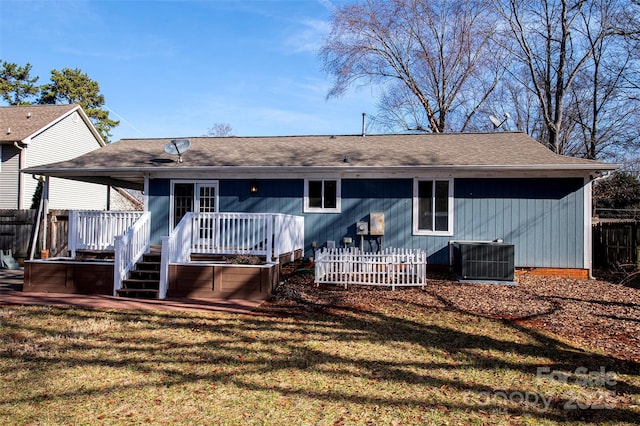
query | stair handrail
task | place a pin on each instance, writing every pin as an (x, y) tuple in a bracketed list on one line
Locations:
[(176, 248), (129, 249)]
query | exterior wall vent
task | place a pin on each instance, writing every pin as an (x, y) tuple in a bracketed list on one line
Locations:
[(483, 260)]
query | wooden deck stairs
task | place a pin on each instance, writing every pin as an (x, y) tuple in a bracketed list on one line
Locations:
[(144, 280)]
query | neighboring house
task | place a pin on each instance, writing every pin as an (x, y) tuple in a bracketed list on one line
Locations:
[(432, 189), (33, 135)]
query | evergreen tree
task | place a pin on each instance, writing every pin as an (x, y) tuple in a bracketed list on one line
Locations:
[(72, 86), (17, 86)]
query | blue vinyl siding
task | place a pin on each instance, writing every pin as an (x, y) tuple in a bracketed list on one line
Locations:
[(543, 218), (273, 196)]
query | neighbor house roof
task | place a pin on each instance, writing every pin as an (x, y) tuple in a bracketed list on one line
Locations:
[(130, 159), (20, 123)]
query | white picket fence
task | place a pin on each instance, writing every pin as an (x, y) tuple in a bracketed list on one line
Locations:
[(393, 267)]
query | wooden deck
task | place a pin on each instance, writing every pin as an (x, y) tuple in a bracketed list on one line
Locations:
[(68, 276), (93, 275), (223, 281)]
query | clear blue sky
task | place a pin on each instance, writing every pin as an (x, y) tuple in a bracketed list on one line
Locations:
[(174, 68)]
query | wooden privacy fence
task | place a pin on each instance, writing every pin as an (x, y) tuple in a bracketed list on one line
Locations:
[(393, 267), (615, 243), (18, 226)]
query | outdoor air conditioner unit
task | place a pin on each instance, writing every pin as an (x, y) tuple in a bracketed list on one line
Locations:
[(483, 261)]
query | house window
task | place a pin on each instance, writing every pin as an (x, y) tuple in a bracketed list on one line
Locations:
[(433, 207), (322, 195)]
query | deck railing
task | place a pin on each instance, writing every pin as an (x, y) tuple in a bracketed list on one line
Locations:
[(261, 234), (392, 267), (233, 233), (129, 248), (97, 230), (290, 234)]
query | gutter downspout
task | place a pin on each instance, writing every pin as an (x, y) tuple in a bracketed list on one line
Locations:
[(20, 177)]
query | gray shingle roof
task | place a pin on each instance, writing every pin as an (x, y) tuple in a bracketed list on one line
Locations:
[(488, 149), (469, 151), (26, 120)]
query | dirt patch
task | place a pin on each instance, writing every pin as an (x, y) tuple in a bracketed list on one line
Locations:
[(595, 314)]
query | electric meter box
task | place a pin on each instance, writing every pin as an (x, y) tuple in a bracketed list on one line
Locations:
[(376, 223), (362, 228)]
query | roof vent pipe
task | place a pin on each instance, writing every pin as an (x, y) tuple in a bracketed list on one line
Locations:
[(364, 120), (9, 131)]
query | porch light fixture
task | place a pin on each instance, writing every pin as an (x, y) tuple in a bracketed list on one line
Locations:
[(253, 187)]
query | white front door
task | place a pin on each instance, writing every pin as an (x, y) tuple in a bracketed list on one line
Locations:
[(187, 196)]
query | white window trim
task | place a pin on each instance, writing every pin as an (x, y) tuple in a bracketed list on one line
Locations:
[(337, 209), (416, 230), (195, 193)]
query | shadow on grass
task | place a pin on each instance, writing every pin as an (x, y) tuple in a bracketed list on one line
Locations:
[(430, 350)]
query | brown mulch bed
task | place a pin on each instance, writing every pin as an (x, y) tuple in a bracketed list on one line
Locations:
[(595, 314)]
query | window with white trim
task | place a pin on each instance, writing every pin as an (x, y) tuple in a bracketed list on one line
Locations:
[(322, 195), (433, 207)]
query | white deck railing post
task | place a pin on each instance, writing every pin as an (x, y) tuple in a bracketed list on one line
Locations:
[(164, 268), (270, 254), (73, 233)]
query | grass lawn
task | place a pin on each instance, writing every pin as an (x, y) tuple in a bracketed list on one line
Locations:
[(394, 364)]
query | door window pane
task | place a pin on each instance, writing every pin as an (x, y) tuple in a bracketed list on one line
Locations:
[(207, 201), (182, 201)]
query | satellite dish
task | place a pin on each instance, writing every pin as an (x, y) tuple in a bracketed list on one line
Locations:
[(495, 120), (177, 147), (497, 123)]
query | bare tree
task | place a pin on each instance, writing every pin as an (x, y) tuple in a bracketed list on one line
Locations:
[(220, 129), (602, 113), (552, 40), (509, 97), (432, 58)]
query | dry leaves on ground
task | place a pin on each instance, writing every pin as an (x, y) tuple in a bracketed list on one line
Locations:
[(594, 314)]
